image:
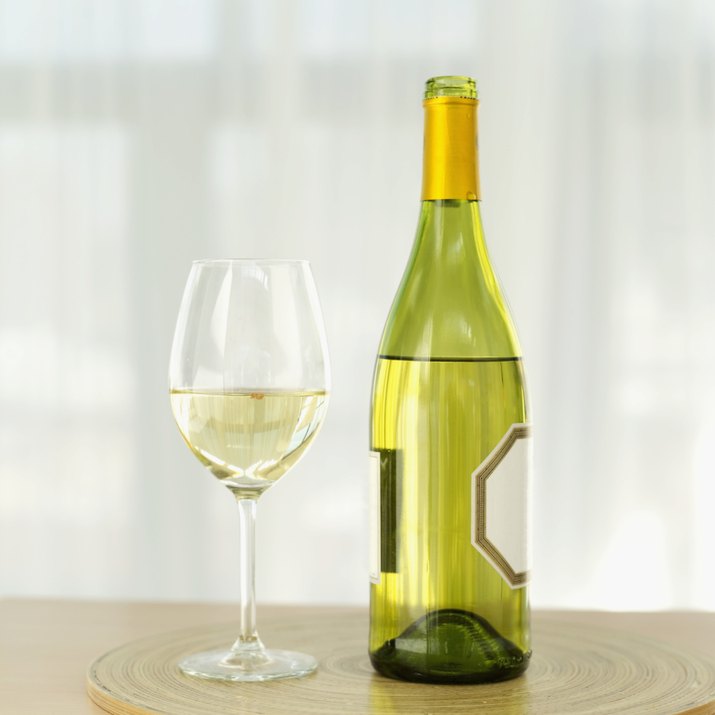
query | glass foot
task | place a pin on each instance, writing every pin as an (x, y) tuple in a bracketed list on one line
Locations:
[(250, 666)]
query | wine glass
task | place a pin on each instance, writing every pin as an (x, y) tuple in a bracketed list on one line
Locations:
[(249, 379)]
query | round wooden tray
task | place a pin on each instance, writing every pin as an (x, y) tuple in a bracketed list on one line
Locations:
[(576, 669)]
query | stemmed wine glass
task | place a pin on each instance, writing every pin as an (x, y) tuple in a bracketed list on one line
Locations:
[(249, 379)]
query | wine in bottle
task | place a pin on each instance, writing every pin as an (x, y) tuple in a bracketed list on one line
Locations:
[(450, 439)]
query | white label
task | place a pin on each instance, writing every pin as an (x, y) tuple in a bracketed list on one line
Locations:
[(500, 506), (374, 516)]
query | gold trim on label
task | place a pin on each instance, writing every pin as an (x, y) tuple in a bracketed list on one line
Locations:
[(479, 521)]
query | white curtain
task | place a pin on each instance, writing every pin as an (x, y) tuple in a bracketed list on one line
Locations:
[(138, 135)]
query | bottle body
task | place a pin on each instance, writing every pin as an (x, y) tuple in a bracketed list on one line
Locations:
[(449, 445)]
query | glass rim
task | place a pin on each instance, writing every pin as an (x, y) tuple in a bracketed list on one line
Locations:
[(248, 261)]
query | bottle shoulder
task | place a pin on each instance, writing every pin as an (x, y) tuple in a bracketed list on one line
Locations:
[(449, 302)]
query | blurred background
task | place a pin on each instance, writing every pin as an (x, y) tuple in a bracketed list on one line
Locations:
[(137, 135)]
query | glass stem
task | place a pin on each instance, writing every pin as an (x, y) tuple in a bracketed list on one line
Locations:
[(248, 639)]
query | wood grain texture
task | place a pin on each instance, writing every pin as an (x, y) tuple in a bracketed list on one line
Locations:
[(576, 669), (46, 647)]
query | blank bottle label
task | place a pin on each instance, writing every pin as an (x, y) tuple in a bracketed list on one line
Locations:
[(500, 506)]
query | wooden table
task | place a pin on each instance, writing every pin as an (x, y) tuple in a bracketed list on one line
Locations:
[(46, 646)]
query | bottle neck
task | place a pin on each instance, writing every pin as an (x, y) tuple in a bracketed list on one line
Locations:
[(449, 305), (450, 167)]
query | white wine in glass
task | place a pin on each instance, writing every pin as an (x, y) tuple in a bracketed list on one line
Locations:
[(249, 380), (249, 440)]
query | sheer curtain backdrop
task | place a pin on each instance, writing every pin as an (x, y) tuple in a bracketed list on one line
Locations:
[(137, 135)]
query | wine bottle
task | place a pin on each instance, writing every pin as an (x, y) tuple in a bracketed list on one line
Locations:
[(450, 439)]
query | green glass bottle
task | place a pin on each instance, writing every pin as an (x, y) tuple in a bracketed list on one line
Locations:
[(450, 439)]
